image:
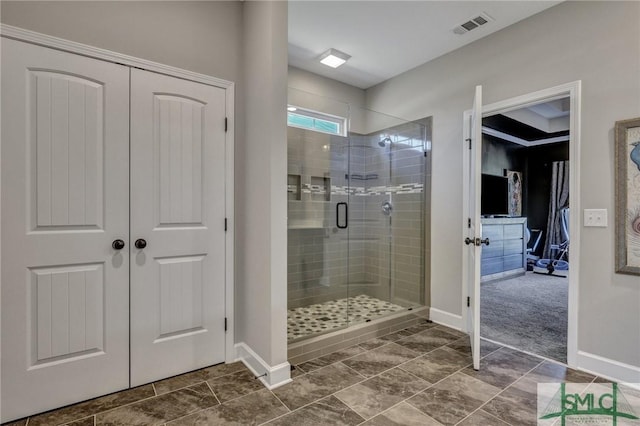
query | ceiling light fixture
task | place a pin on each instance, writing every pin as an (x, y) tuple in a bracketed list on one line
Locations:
[(334, 58)]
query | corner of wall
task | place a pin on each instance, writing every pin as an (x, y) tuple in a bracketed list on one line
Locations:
[(446, 318), (270, 376), (261, 270)]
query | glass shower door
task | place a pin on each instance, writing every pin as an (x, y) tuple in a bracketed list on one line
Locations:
[(318, 191)]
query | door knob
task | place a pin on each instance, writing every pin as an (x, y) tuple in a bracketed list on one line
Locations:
[(117, 244), (476, 241), (140, 243)]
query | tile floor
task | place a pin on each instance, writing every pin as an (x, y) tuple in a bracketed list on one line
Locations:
[(323, 317), (418, 376)]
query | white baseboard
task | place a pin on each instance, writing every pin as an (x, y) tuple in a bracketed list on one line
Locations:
[(608, 368), (445, 318), (270, 376)]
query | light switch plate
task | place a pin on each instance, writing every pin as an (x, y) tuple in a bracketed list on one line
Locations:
[(595, 217)]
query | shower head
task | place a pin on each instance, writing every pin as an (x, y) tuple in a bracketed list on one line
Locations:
[(383, 142)]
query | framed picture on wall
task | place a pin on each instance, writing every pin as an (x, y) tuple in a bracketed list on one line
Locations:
[(515, 193), (627, 146)]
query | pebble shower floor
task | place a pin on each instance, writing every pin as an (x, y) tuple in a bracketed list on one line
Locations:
[(322, 317)]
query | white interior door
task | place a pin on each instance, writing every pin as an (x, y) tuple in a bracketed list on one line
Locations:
[(177, 207), (65, 199), (473, 228)]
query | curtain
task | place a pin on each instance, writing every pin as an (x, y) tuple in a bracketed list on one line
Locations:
[(558, 200)]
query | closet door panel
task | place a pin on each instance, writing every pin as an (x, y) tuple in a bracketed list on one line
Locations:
[(65, 290), (177, 207)]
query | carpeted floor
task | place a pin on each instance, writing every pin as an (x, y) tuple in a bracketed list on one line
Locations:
[(527, 312)]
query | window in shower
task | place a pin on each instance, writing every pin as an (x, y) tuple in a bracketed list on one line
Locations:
[(316, 121)]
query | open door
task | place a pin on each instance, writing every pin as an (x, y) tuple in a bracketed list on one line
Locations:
[(473, 164)]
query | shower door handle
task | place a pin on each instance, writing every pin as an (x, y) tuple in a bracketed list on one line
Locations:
[(346, 215)]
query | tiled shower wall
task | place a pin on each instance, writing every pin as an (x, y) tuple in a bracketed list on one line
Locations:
[(384, 253), (394, 244)]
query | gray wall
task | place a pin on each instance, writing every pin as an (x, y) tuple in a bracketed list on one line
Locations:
[(559, 45), (314, 83), (261, 179), (193, 35)]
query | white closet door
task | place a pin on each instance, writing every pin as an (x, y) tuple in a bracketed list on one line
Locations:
[(65, 199), (177, 207)]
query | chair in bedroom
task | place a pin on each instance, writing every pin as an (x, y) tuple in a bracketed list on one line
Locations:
[(534, 236)]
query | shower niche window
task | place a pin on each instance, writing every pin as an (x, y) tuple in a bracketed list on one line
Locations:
[(294, 188), (356, 245)]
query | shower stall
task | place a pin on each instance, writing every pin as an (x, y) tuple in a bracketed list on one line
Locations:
[(358, 193)]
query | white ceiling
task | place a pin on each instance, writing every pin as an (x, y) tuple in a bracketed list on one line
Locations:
[(552, 109), (387, 38)]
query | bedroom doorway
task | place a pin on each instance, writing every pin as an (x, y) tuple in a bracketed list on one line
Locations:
[(529, 271), (525, 198)]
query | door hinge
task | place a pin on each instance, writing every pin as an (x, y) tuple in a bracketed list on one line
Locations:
[(225, 224), (469, 223), (226, 124), (468, 302), (425, 154), (225, 323), (469, 140)]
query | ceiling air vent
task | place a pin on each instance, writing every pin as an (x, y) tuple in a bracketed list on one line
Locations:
[(472, 24)]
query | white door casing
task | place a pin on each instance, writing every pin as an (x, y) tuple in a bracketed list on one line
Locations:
[(572, 90), (178, 207), (472, 226), (65, 290)]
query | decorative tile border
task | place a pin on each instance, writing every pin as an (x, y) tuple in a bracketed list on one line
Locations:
[(406, 188), (360, 191)]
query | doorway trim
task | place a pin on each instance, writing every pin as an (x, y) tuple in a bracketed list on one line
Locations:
[(52, 42), (573, 91)]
